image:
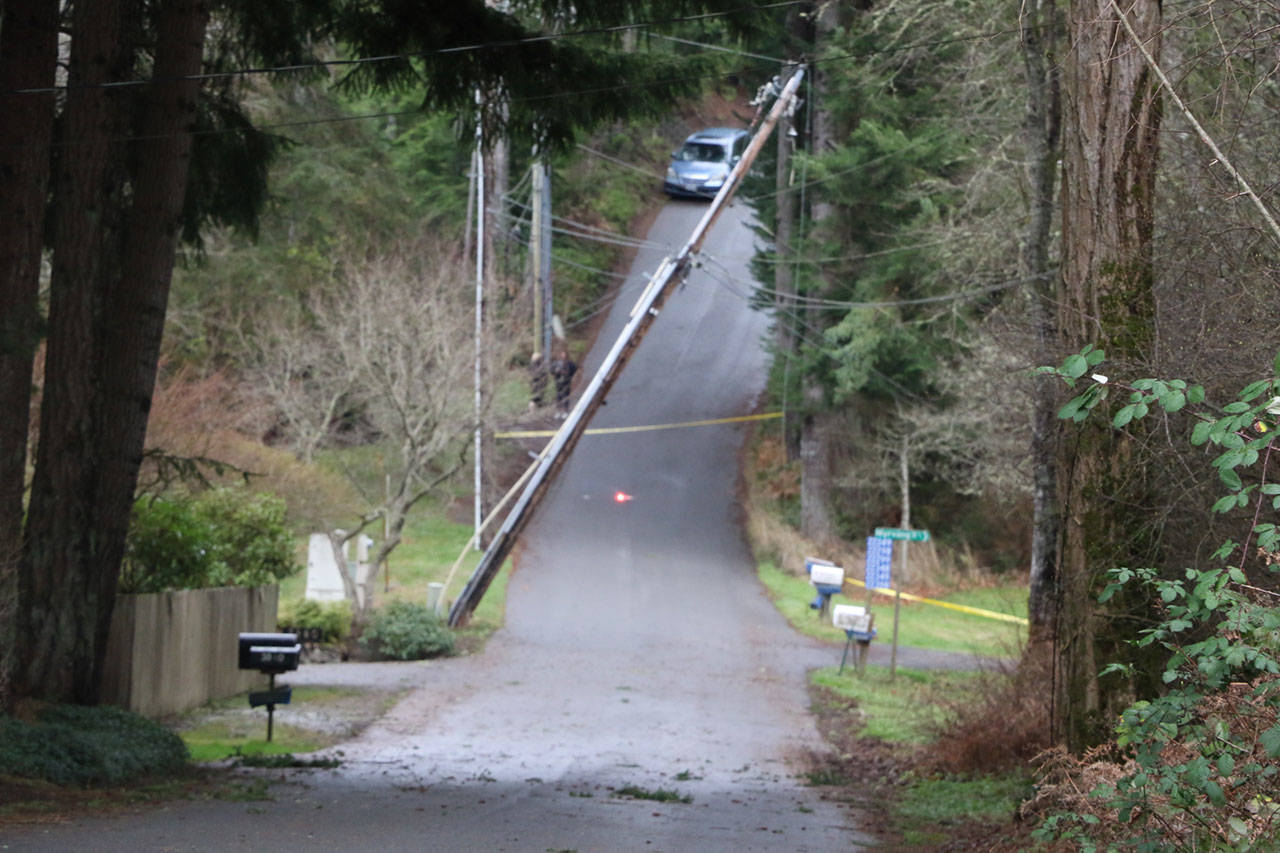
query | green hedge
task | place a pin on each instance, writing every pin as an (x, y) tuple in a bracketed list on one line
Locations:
[(220, 537), (77, 745)]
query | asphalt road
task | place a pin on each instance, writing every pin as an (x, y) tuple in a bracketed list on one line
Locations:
[(639, 649)]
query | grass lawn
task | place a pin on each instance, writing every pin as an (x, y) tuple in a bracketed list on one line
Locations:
[(921, 625), (901, 710), (230, 727)]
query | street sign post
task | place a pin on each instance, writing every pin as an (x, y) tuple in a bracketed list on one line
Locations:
[(900, 534)]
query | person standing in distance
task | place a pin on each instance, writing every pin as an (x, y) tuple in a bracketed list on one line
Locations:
[(537, 381), (562, 369)]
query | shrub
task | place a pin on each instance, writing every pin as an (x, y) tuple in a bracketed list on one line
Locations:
[(221, 537), (404, 630), (253, 546), (331, 617), (169, 547), (76, 745)]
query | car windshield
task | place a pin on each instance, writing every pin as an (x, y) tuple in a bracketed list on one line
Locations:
[(703, 152)]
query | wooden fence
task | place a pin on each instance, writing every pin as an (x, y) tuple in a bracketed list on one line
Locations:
[(171, 651)]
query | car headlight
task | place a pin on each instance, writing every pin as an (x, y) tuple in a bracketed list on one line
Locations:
[(671, 173)]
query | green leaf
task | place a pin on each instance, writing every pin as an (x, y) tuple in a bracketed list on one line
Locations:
[(1235, 408), (1271, 488), (1225, 504), (1123, 417), (1226, 764), (1174, 401), (1069, 410), (1200, 433), (1232, 441), (1254, 389), (1275, 365), (1230, 478), (1195, 394), (1214, 791), (1270, 741), (1075, 366)]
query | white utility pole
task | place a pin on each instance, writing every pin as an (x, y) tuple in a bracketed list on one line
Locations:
[(479, 329), (535, 255), (544, 276)]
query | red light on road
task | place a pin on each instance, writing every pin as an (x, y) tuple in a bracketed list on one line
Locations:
[(621, 497)]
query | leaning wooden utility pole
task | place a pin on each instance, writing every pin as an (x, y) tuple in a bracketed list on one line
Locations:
[(642, 317)]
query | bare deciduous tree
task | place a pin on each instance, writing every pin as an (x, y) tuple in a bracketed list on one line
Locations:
[(391, 344)]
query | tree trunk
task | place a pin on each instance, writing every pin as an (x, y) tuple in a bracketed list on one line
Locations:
[(815, 468), (815, 431), (136, 300), (57, 607), (106, 320), (1107, 297), (28, 57), (1039, 21)]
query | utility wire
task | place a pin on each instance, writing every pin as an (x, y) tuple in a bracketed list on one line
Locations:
[(717, 47), (397, 113), (623, 163), (820, 346), (884, 303), (394, 57), (592, 232)]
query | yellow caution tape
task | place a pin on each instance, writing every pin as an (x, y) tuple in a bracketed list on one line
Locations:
[(963, 608), (547, 433)]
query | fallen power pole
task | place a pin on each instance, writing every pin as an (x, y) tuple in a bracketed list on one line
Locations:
[(642, 317)]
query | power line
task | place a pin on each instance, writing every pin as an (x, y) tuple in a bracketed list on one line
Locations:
[(616, 161), (394, 57), (817, 302), (717, 47), (397, 113)]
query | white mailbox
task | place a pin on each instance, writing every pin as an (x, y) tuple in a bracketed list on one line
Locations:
[(820, 575), (851, 617)]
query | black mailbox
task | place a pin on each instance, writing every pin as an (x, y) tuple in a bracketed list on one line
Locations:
[(269, 653)]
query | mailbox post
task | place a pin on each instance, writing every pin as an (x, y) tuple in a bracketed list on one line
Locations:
[(270, 654), (827, 578), (856, 621)]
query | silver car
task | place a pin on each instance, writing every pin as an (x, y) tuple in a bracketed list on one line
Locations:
[(700, 166)]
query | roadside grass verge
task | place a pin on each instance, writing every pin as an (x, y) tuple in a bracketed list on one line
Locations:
[(902, 710), (920, 625), (229, 727), (885, 734)]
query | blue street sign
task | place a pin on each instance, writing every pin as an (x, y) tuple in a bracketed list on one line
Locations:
[(879, 563)]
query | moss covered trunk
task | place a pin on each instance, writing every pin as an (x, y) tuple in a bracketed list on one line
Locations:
[(1110, 130)]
